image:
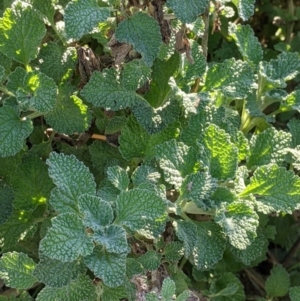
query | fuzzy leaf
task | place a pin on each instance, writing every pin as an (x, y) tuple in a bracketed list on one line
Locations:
[(239, 223), (55, 273), (145, 174), (174, 251), (67, 239), (47, 8), (82, 16), (16, 270), (249, 46), (168, 289), (72, 179), (245, 8), (112, 238), (150, 260), (294, 293), (223, 154), (80, 289), (111, 268), (275, 188), (142, 31), (118, 177), (21, 32), (188, 11), (6, 202), (97, 213), (291, 102), (104, 90), (13, 132), (268, 147), (136, 207), (234, 79), (278, 283), (176, 160)]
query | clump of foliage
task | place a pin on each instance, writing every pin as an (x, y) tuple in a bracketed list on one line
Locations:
[(198, 180)]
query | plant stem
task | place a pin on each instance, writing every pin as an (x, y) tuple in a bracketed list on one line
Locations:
[(290, 24), (291, 253)]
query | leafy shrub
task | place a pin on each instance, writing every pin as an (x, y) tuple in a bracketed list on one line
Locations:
[(199, 170)]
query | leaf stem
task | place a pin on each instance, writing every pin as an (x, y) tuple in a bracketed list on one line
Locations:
[(4, 90)]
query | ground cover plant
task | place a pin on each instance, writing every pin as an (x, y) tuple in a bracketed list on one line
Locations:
[(149, 150)]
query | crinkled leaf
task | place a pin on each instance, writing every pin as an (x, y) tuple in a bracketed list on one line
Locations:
[(223, 154), (143, 32), (198, 187), (31, 184), (188, 11), (118, 177), (278, 283), (104, 90), (113, 293), (6, 202), (72, 179), (97, 213), (174, 251), (13, 132), (209, 245), (135, 74), (112, 238), (6, 65), (294, 293), (245, 8), (47, 8), (242, 144), (268, 147), (16, 79), (227, 288), (69, 115), (82, 16), (176, 160), (291, 102), (234, 79), (294, 125), (136, 207), (56, 61), (249, 46), (275, 189), (184, 296), (55, 273), (67, 239), (168, 289), (80, 289), (110, 267), (187, 233), (239, 222), (145, 174), (16, 270), (276, 72), (150, 260), (21, 32)]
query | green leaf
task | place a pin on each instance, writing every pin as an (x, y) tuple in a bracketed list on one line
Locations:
[(31, 184), (6, 65), (13, 131), (227, 288), (268, 147), (151, 297), (278, 283), (47, 8), (168, 289), (222, 153), (245, 8), (291, 102), (239, 222), (188, 11), (67, 239), (174, 251), (104, 90), (16, 270), (82, 16), (69, 115), (150, 260), (111, 268), (187, 233), (198, 187), (136, 207), (56, 61), (294, 293), (184, 296), (249, 46), (176, 160), (16, 79), (97, 213), (143, 32), (72, 179), (118, 177), (209, 245), (113, 293), (80, 289), (275, 73), (112, 238), (6, 202), (275, 188), (135, 74), (55, 273), (21, 32), (145, 174), (234, 79)]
